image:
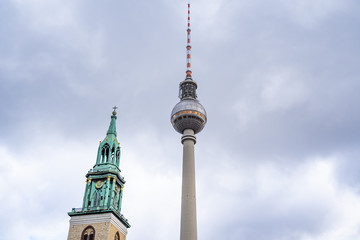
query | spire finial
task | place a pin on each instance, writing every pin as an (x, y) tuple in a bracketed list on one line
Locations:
[(188, 47), (114, 112)]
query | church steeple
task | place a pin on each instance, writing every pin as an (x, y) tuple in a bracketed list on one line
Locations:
[(103, 194), (109, 148)]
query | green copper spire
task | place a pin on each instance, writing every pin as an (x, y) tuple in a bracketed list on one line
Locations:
[(104, 184), (112, 127), (109, 149)]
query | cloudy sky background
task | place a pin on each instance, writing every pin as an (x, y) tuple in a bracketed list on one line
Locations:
[(277, 160)]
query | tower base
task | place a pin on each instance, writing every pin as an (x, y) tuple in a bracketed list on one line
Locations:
[(105, 226)]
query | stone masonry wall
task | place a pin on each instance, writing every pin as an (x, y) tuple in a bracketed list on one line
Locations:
[(113, 231), (101, 231)]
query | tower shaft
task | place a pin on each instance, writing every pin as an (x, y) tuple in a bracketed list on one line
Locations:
[(188, 117), (188, 228)]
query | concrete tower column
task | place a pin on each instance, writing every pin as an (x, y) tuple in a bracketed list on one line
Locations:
[(188, 118), (188, 228)]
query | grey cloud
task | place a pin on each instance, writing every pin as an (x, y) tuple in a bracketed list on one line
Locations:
[(293, 72)]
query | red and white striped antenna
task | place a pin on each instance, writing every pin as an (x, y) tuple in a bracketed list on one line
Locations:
[(188, 47)]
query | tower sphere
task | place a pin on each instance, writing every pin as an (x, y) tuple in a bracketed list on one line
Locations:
[(188, 114)]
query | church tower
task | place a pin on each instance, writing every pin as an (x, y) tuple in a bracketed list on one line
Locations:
[(100, 217), (188, 117)]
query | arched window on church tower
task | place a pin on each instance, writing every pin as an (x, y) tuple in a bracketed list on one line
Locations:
[(116, 198), (97, 198), (112, 155), (105, 153), (117, 236), (117, 156), (88, 233)]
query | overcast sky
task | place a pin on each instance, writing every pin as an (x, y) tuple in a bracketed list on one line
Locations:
[(279, 158)]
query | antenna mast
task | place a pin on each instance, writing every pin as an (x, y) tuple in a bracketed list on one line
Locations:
[(188, 47)]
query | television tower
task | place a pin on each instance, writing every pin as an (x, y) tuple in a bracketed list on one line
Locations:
[(188, 117)]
